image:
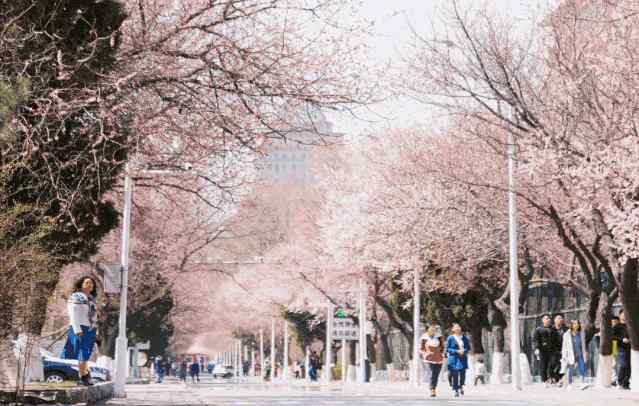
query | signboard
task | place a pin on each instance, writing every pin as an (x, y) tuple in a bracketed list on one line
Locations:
[(112, 278), (345, 329), (340, 314)]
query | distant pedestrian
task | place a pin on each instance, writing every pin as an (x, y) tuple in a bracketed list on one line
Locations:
[(558, 330), (210, 368), (458, 347), (432, 353), (297, 370), (195, 372), (315, 366), (267, 370), (174, 368), (183, 368), (159, 369), (620, 333), (615, 351), (480, 371), (543, 345), (573, 352)]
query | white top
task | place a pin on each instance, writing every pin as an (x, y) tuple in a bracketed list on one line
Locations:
[(81, 311), (460, 342)]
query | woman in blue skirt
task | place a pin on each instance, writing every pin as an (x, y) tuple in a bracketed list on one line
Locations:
[(82, 316)]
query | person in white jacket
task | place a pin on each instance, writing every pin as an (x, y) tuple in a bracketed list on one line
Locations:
[(573, 352), (82, 326)]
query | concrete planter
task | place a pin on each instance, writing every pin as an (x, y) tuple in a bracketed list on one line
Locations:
[(42, 395)]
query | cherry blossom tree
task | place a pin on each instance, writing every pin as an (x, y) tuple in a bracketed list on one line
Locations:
[(573, 105)]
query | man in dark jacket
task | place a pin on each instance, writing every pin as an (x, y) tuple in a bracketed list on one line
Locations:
[(620, 333), (558, 330), (543, 343)]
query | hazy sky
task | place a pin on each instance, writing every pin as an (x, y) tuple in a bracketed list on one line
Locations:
[(391, 33)]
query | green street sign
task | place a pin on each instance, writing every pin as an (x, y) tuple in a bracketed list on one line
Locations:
[(340, 314)]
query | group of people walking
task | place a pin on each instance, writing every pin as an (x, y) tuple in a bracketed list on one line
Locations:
[(562, 355), (435, 350)]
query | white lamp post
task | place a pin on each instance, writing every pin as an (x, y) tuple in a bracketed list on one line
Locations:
[(121, 343), (414, 376), (285, 363), (362, 332), (272, 349), (262, 354), (330, 311), (514, 275)]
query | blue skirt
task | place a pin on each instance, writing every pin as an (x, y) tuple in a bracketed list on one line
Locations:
[(79, 348)]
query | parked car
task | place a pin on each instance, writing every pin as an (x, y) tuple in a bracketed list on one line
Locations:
[(58, 369), (223, 371)]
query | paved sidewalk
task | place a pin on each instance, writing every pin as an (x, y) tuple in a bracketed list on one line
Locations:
[(247, 393)]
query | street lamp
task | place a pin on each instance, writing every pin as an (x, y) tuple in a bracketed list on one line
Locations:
[(414, 376), (514, 275), (121, 343)]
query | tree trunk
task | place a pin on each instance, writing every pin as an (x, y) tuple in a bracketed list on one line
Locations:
[(604, 364), (383, 355), (405, 328), (476, 345), (498, 325), (594, 300), (630, 299)]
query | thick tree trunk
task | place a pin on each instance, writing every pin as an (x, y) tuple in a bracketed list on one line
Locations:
[(476, 345), (594, 300), (383, 355), (630, 298), (498, 325), (604, 364), (405, 328)]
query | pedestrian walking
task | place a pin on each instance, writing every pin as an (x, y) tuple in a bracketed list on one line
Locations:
[(620, 333), (195, 371), (558, 330), (297, 370), (543, 344), (457, 346), (573, 353), (174, 368), (159, 369), (615, 351), (315, 366), (183, 368), (81, 335), (480, 371), (432, 353), (267, 369)]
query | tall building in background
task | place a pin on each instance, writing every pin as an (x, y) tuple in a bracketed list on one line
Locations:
[(290, 161)]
